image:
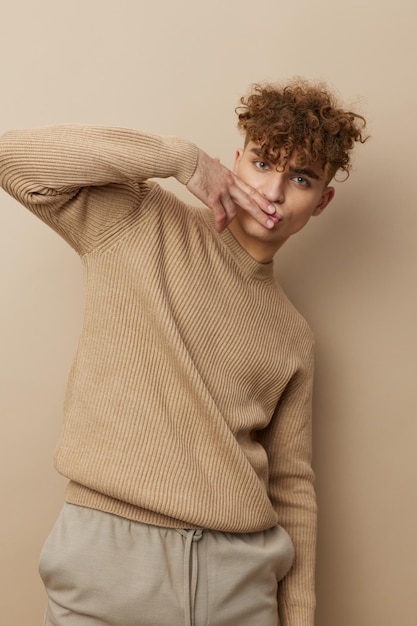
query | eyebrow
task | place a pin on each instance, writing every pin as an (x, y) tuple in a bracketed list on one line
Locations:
[(303, 171)]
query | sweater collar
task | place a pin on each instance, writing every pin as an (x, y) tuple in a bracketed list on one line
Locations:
[(250, 266)]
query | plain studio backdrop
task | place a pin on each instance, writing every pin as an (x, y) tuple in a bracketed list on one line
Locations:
[(179, 67)]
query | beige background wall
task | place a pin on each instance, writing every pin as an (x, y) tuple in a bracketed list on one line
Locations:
[(178, 67)]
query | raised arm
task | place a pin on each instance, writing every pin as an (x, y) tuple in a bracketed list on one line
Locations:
[(58, 172), (65, 158), (82, 180)]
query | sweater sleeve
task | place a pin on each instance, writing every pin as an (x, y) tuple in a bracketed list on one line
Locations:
[(82, 180), (288, 441)]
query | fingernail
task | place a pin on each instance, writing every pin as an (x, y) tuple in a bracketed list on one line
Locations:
[(271, 209), (270, 223)]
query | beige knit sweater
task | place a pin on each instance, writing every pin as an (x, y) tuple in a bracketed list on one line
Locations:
[(188, 402)]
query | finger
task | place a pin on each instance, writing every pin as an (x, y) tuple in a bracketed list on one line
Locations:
[(250, 200), (267, 216), (220, 216), (229, 206), (256, 199)]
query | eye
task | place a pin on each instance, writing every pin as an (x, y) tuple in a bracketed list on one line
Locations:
[(300, 180), (261, 165)]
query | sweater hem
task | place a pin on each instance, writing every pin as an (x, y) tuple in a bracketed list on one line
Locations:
[(83, 496)]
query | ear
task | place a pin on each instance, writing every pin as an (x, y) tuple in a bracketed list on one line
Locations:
[(327, 196), (237, 158)]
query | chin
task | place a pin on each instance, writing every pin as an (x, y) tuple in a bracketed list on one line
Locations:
[(254, 229)]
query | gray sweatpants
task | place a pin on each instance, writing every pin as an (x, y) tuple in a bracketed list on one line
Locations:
[(100, 569)]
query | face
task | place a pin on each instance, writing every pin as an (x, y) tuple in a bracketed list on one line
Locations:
[(298, 194)]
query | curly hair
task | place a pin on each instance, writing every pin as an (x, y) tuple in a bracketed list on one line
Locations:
[(304, 117)]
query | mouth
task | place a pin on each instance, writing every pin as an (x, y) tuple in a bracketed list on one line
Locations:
[(277, 219)]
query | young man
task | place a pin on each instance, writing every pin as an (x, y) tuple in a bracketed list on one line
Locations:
[(187, 430)]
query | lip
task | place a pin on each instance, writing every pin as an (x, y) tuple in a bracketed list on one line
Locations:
[(276, 219)]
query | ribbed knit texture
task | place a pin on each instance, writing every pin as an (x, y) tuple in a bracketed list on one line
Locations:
[(189, 400)]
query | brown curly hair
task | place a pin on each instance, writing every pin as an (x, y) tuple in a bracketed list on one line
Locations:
[(304, 117)]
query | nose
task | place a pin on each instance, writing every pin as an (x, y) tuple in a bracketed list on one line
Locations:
[(273, 188)]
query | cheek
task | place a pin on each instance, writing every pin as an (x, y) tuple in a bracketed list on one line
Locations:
[(302, 216)]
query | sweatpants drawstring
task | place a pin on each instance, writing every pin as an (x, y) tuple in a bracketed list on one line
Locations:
[(190, 572)]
